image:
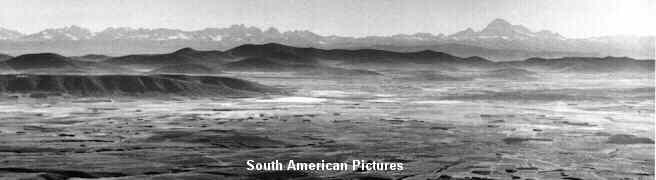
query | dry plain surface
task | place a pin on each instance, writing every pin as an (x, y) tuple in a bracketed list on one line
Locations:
[(564, 126)]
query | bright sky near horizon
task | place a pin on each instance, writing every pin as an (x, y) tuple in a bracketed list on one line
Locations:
[(572, 18)]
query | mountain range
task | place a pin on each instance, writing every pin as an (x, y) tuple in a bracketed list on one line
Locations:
[(499, 41), (273, 57)]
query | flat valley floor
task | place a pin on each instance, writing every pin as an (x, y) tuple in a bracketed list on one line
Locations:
[(562, 126)]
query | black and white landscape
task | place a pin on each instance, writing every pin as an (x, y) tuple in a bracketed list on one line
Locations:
[(502, 102)]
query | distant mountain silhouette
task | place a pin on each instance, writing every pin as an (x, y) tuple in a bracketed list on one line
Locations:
[(348, 56), (305, 61), (43, 60), (92, 57), (182, 56), (381, 57), (67, 33), (499, 34), (278, 57), (502, 29), (101, 85), (463, 50), (58, 64), (273, 50)]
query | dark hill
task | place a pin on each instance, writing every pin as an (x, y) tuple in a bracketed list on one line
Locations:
[(88, 85), (349, 56), (185, 69), (264, 50), (48, 63), (182, 56), (276, 52), (38, 61), (92, 57)]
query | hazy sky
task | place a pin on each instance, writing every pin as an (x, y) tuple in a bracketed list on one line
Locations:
[(572, 18)]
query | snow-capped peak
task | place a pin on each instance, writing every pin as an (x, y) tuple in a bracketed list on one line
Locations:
[(66, 33), (504, 30), (7, 34)]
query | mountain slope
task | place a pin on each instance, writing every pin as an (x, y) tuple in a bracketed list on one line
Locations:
[(91, 57), (102, 85), (39, 61), (259, 59), (182, 56), (348, 56), (58, 64)]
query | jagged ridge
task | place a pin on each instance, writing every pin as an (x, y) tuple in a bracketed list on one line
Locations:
[(504, 38)]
